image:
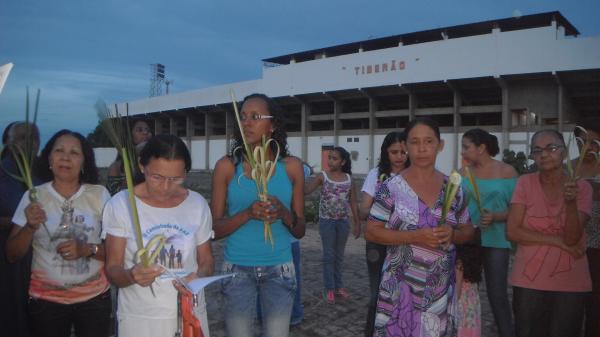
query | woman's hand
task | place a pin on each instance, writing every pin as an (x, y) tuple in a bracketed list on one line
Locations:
[(357, 229), (72, 250), (444, 234), (486, 218), (145, 276), (577, 251), (263, 210), (186, 279), (427, 237), (35, 215), (570, 190), (276, 209)]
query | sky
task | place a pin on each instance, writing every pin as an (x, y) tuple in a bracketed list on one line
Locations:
[(77, 52)]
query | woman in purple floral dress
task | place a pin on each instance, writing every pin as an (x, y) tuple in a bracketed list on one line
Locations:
[(416, 294)]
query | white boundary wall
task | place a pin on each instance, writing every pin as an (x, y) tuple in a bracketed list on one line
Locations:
[(360, 164)]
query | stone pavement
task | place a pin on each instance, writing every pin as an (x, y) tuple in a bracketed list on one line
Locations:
[(343, 319)]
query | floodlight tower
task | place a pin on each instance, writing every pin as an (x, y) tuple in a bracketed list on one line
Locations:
[(157, 78), (168, 85)]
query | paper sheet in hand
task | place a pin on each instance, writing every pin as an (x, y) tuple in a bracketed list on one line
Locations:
[(198, 284), (4, 71)]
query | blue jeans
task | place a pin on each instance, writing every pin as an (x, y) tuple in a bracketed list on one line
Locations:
[(298, 308), (334, 234), (274, 284), (495, 267)]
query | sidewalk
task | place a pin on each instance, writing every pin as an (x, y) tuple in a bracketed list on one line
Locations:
[(343, 319)]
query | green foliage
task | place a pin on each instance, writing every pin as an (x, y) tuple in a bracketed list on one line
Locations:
[(311, 210), (98, 137), (518, 160)]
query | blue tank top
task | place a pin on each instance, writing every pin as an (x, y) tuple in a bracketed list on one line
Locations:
[(247, 246), (495, 197)]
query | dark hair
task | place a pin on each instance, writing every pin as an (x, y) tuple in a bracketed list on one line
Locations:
[(130, 122), (167, 147), (136, 120), (384, 166), (555, 133), (5, 135), (6, 132), (470, 255), (591, 123), (347, 167), (424, 121), (480, 136), (279, 135), (89, 174)]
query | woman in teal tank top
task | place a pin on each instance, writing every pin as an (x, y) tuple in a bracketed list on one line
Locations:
[(263, 269), (495, 181)]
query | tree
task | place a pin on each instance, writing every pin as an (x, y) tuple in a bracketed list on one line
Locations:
[(519, 161), (98, 137)]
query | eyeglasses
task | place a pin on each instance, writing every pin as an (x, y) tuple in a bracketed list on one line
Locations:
[(254, 117), (159, 179), (548, 149)]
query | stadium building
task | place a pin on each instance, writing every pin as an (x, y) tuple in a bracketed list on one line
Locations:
[(510, 76)]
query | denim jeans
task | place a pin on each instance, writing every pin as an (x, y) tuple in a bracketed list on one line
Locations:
[(541, 313), (375, 255), (90, 318), (298, 308), (334, 234), (495, 267), (275, 285)]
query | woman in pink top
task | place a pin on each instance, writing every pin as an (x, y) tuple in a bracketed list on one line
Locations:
[(547, 216)]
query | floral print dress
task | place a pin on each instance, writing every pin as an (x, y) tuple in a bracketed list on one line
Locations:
[(416, 294)]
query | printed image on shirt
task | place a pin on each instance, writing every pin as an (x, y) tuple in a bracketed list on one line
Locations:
[(173, 252), (70, 228)]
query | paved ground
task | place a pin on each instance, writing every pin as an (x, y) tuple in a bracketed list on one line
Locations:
[(345, 318)]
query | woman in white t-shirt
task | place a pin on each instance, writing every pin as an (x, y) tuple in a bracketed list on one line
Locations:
[(164, 208), (68, 286), (392, 159)]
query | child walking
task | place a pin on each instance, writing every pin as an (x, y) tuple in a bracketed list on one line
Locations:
[(468, 276), (338, 199)]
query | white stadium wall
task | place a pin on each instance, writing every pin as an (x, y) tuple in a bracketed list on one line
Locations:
[(358, 147), (295, 146), (314, 150), (567, 64), (198, 151), (218, 148), (468, 57), (543, 49), (360, 165), (105, 156)]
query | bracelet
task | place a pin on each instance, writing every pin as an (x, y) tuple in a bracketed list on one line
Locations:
[(94, 250)]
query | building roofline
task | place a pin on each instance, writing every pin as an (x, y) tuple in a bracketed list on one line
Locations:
[(470, 29)]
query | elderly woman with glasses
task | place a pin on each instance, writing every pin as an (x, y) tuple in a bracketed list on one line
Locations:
[(546, 220), (165, 208), (68, 286)]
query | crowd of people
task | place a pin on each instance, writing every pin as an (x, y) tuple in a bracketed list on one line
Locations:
[(70, 255)]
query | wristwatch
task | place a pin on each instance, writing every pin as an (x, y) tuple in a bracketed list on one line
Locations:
[(94, 250)]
